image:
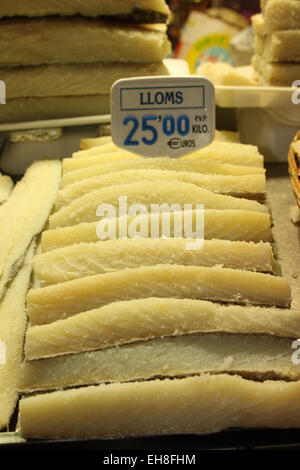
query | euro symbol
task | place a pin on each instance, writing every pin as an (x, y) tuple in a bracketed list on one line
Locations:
[(174, 143)]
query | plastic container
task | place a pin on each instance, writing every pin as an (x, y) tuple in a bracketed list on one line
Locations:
[(271, 129), (265, 116)]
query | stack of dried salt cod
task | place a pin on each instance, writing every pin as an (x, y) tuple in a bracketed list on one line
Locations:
[(139, 336), (22, 218), (59, 59), (277, 42)]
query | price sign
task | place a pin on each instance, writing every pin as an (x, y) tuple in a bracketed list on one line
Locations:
[(163, 116)]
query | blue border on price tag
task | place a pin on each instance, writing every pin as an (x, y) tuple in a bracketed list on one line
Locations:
[(159, 88)]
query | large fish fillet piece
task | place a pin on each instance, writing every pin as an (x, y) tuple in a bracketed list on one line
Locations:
[(31, 109), (35, 8), (6, 185), (25, 214), (277, 15), (71, 164), (276, 73), (142, 319), (247, 355), (12, 331), (180, 164), (279, 46), (104, 145), (227, 136), (67, 40), (248, 186), (235, 225), (59, 301), (149, 193), (222, 151), (219, 152), (229, 152), (87, 259), (86, 144), (198, 405), (72, 79)]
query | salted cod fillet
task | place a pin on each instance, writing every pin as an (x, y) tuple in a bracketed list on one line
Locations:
[(6, 185), (25, 214), (99, 149), (148, 193), (179, 164), (248, 186), (92, 8), (72, 79), (87, 259), (235, 225), (141, 319), (240, 154), (220, 152), (227, 136), (12, 330), (276, 73), (280, 46), (99, 145), (89, 143), (280, 15), (104, 157), (67, 40), (31, 109), (257, 356), (59, 301), (200, 405), (222, 136), (229, 152)]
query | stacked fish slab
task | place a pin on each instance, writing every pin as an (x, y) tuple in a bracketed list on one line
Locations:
[(60, 59), (139, 336), (24, 212), (277, 44)]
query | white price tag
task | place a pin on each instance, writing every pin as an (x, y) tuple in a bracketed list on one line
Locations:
[(163, 116)]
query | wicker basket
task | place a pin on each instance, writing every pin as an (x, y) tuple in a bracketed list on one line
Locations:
[(294, 169)]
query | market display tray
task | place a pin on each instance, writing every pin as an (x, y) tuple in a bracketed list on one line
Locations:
[(232, 439), (287, 246), (256, 97)]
